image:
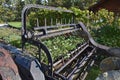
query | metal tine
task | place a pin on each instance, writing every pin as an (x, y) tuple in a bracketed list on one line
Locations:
[(79, 48), (53, 26), (90, 64), (71, 53), (72, 59), (82, 62), (55, 33), (37, 22), (45, 25)]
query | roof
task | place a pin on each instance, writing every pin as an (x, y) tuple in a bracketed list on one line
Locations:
[(110, 5)]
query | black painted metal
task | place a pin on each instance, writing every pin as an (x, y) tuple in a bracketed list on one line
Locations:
[(82, 57), (81, 63), (29, 6), (44, 48), (72, 59)]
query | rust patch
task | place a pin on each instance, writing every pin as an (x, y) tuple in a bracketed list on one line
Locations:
[(7, 65)]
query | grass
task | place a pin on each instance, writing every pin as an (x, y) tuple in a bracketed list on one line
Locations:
[(15, 24), (11, 36)]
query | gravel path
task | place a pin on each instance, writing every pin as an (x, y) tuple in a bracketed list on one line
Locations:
[(3, 25)]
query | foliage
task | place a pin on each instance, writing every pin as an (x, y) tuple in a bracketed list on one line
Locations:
[(81, 15), (53, 16), (55, 2), (61, 45), (104, 17), (12, 11), (18, 9), (108, 35), (58, 46), (95, 20), (82, 4), (11, 36), (8, 15), (6, 11)]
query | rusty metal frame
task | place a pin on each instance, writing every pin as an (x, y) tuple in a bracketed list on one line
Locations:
[(46, 34)]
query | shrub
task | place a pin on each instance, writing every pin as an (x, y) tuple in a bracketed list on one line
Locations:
[(108, 35)]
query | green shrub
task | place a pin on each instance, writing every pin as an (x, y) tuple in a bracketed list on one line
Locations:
[(94, 20), (61, 45), (108, 35)]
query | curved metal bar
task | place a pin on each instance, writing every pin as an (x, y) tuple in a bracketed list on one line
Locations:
[(37, 43), (29, 6), (111, 51), (50, 62), (24, 14), (45, 49), (91, 39)]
